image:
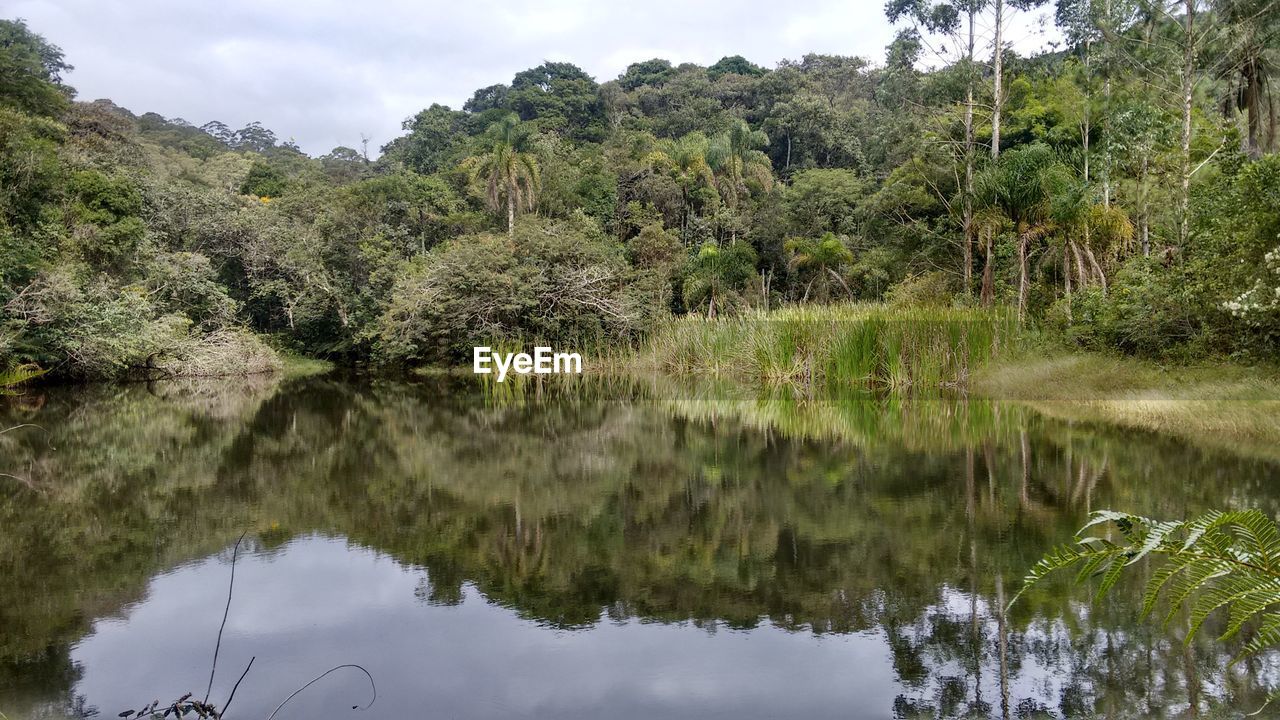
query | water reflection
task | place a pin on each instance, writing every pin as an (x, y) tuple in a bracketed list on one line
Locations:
[(579, 556)]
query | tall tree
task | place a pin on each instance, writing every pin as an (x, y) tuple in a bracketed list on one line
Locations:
[(685, 162), (956, 22), (1002, 11), (31, 71), (717, 275), (508, 167), (1250, 60), (822, 259), (1022, 187), (737, 157)]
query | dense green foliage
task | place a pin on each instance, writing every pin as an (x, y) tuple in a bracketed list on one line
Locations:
[(1119, 192)]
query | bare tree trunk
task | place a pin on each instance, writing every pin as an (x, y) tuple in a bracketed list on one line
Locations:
[(997, 89), (1146, 206), (1188, 92), (843, 284), (1097, 268), (988, 271), (1066, 275), (968, 165), (511, 211), (1252, 100), (1024, 281), (1106, 108), (1086, 122)]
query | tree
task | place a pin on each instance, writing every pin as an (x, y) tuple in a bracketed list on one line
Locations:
[(436, 137), (822, 259), (560, 281), (998, 24), (509, 167), (717, 276), (736, 156), (650, 72), (735, 65), (254, 137), (1087, 229), (821, 201), (31, 71), (1250, 61), (1022, 187), (956, 22), (560, 97), (264, 180), (30, 174), (685, 162)]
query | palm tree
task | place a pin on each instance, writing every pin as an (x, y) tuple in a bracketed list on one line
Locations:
[(822, 258), (685, 162), (1250, 61), (509, 167), (1022, 186), (717, 273), (736, 156), (1088, 229)]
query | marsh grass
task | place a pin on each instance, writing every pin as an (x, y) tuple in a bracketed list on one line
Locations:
[(831, 347), (1220, 405)]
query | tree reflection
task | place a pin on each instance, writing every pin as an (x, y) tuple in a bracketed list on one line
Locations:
[(884, 515)]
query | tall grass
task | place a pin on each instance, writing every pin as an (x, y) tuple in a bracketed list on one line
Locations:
[(834, 347)]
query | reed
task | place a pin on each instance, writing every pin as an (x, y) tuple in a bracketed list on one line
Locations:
[(833, 347)]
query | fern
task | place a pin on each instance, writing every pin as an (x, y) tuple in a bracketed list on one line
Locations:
[(16, 375), (1226, 563)]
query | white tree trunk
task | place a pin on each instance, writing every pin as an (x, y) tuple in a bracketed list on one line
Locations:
[(997, 89)]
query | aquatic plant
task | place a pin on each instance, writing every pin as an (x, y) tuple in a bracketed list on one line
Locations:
[(835, 347)]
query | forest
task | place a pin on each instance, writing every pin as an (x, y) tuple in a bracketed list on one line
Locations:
[(1119, 193)]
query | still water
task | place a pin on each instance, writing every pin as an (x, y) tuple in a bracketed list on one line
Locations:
[(585, 553)]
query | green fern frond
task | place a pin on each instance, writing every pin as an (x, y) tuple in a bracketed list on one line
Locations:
[(1222, 563), (16, 375)]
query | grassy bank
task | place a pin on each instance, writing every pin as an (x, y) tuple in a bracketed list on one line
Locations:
[(831, 347), (836, 348), (1215, 404)]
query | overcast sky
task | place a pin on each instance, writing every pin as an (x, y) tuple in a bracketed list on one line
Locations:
[(325, 72)]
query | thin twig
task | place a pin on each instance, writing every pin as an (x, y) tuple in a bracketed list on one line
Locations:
[(22, 480), (24, 425), (235, 687), (231, 586), (317, 679)]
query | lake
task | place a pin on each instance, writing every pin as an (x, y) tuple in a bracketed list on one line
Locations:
[(587, 551)]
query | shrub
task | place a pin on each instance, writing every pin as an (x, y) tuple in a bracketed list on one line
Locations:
[(930, 289), (556, 281), (264, 180), (89, 329)]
